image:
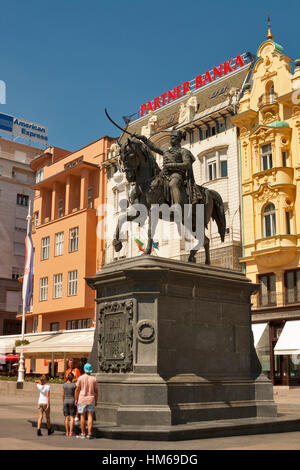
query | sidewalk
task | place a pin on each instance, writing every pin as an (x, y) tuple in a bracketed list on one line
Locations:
[(16, 432), (288, 420)]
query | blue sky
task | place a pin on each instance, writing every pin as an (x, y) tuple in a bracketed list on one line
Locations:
[(64, 61)]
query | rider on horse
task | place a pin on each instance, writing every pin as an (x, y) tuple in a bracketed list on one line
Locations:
[(177, 171)]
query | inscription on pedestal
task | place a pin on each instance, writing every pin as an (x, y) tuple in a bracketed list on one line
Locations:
[(115, 336)]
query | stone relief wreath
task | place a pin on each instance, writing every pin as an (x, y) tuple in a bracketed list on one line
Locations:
[(145, 331)]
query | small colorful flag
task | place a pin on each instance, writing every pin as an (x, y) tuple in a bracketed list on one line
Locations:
[(139, 244), (155, 245)]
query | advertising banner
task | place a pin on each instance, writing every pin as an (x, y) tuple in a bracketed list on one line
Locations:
[(18, 127)]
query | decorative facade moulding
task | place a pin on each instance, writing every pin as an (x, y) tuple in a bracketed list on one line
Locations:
[(261, 134), (296, 113), (268, 75), (115, 336)]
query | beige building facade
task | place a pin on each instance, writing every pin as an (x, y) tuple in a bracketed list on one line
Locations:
[(16, 179)]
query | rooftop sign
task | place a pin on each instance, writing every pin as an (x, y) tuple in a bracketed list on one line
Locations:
[(208, 77), (26, 129)]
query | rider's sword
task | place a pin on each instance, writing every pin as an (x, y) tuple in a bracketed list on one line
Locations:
[(116, 124)]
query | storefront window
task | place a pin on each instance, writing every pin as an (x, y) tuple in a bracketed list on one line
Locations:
[(263, 352), (295, 366)]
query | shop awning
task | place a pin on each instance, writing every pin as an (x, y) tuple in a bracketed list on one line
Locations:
[(77, 343), (289, 340), (258, 330)]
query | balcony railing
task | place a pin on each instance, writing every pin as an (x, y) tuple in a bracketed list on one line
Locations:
[(274, 299), (267, 98)]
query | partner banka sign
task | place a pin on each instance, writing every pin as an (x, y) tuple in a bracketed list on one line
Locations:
[(26, 129), (224, 69)]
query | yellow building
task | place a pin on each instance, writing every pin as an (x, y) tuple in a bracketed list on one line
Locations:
[(269, 124)]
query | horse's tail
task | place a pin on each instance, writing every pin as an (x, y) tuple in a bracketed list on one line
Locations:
[(218, 213)]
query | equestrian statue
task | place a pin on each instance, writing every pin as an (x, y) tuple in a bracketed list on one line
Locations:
[(173, 185)]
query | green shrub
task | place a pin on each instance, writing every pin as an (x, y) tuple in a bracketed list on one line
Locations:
[(19, 342)]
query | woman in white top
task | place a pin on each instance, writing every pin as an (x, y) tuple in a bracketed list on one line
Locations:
[(43, 404)]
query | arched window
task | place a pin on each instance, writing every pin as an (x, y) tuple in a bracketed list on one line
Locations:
[(270, 92), (269, 220)]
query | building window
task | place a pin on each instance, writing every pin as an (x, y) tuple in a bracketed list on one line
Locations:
[(73, 245), (212, 170), (60, 208), (34, 324), (288, 220), (43, 288), (223, 168), (216, 165), (72, 284), (54, 326), (191, 132), (90, 201), (223, 164), (16, 273), (59, 244), (22, 200), (266, 157), (222, 126), (45, 247), (292, 286), (39, 175), (78, 324), (267, 294), (269, 218), (36, 219), (285, 157), (270, 92), (57, 291)]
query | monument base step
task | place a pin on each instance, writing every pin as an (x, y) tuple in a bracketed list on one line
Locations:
[(201, 430)]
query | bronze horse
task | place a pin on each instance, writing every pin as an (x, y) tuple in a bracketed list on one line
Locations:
[(140, 167)]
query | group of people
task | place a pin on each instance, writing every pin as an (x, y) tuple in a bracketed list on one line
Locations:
[(79, 396)]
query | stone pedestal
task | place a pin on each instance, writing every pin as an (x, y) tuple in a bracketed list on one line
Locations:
[(174, 345)]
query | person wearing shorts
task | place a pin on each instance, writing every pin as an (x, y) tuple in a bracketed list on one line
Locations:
[(43, 404), (69, 408), (86, 397), (76, 373)]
